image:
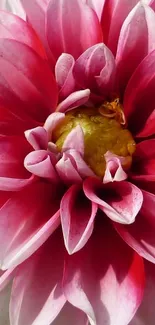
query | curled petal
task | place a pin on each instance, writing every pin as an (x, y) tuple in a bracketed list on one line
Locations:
[(41, 163), (26, 81), (95, 69), (64, 75), (83, 169), (37, 296), (32, 215), (77, 218), (67, 170), (139, 99), (74, 100), (52, 121), (98, 283), (13, 27), (114, 170), (37, 137), (75, 140), (120, 201), (136, 33), (67, 27)]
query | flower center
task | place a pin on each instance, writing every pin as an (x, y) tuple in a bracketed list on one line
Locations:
[(104, 130)]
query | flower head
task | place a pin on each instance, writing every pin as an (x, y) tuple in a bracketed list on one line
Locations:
[(77, 160)]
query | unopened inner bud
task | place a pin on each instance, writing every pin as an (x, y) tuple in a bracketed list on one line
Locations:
[(104, 130)]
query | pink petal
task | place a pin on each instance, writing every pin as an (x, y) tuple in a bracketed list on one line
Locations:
[(114, 170), (75, 140), (97, 6), (67, 170), (35, 12), (4, 305), (37, 137), (6, 277), (113, 16), (152, 4), (70, 315), (146, 312), (64, 75), (13, 27), (13, 175), (140, 235), (37, 296), (139, 97), (52, 121), (83, 169), (41, 163), (16, 8), (120, 201), (26, 81), (105, 279), (31, 221), (143, 167), (67, 27), (77, 218), (74, 100), (95, 69), (136, 41)]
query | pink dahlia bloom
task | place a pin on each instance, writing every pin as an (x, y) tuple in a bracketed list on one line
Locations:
[(77, 161)]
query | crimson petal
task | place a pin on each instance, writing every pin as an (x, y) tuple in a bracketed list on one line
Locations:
[(67, 27), (77, 218), (37, 296), (105, 279), (140, 235)]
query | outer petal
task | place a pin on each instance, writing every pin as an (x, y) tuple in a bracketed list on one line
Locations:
[(31, 221), (37, 296), (113, 16), (77, 218), (107, 284), (139, 99), (120, 201), (95, 69), (143, 167), (26, 81), (136, 41), (146, 312), (140, 235), (16, 8), (35, 12), (70, 315), (13, 175), (13, 27), (97, 5), (64, 75), (4, 305), (67, 27)]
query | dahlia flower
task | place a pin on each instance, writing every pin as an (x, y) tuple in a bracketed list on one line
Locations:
[(77, 162)]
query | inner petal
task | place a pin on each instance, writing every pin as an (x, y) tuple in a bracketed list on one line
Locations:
[(104, 130)]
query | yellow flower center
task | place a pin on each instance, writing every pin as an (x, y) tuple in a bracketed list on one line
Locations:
[(104, 130)]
